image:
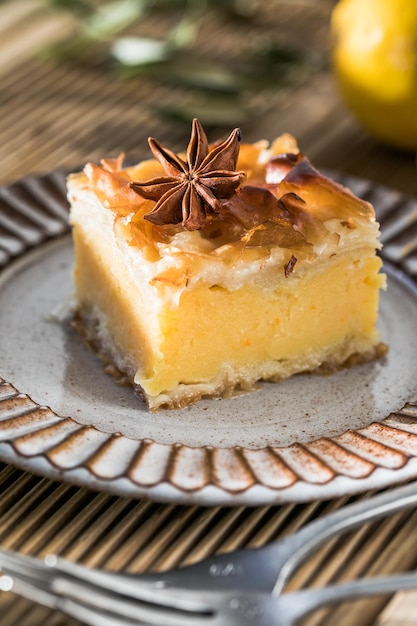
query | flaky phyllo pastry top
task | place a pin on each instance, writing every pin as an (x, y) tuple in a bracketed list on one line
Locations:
[(228, 202)]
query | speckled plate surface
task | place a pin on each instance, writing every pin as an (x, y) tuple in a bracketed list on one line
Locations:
[(306, 438)]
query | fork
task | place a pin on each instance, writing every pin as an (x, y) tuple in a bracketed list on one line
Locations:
[(223, 580), (269, 568), (101, 606)]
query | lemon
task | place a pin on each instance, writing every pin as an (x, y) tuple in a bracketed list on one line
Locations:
[(374, 55)]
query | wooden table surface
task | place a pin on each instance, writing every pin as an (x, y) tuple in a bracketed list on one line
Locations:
[(59, 114)]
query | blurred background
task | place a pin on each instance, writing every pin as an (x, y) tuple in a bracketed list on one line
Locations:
[(83, 79)]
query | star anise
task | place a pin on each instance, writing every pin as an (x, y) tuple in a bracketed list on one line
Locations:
[(193, 188)]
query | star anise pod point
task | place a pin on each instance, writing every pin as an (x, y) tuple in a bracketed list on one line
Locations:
[(193, 188)]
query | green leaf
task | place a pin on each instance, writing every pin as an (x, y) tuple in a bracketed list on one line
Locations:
[(111, 18), (136, 51), (212, 112), (185, 33), (204, 76)]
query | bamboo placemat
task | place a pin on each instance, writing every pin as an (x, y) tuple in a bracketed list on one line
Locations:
[(55, 115)]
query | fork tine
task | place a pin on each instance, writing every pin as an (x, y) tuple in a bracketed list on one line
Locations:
[(61, 588), (25, 569), (61, 576), (129, 585), (178, 607), (21, 563), (30, 590), (88, 615), (101, 608), (95, 618)]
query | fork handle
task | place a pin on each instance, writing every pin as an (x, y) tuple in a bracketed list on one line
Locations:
[(299, 603), (306, 540)]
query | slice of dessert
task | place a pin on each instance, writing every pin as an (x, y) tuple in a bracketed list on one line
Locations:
[(194, 279)]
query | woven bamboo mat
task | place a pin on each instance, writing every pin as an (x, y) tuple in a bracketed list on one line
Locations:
[(55, 115)]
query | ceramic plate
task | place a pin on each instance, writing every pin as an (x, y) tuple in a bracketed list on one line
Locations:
[(308, 437)]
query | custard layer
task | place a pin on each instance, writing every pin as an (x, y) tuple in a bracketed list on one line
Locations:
[(214, 338), (295, 327)]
